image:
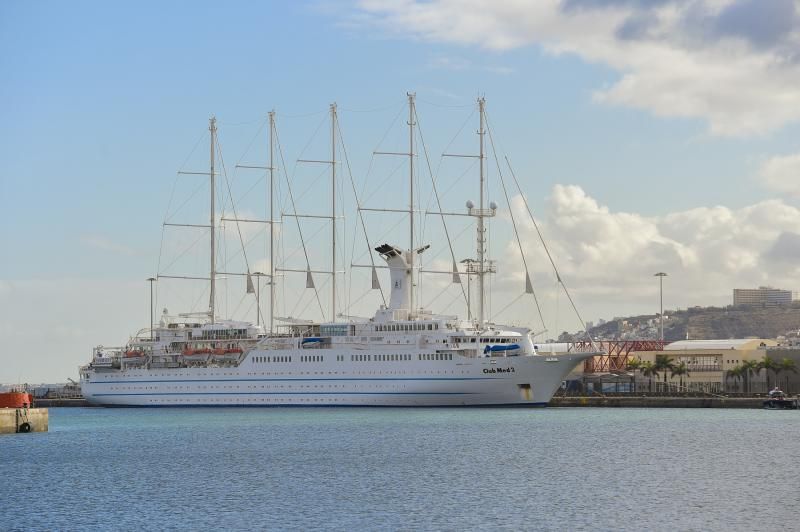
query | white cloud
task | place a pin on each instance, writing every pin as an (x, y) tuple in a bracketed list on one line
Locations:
[(608, 258), (782, 174), (729, 62)]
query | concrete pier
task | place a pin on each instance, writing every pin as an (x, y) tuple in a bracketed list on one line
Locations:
[(14, 420), (72, 401), (660, 402)]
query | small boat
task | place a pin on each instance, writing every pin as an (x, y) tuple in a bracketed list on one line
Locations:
[(779, 401)]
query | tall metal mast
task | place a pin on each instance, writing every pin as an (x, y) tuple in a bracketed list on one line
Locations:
[(333, 212), (212, 127), (411, 113), (481, 228), (271, 220)]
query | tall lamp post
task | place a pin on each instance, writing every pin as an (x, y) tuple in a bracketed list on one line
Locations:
[(661, 276), (151, 280), (258, 297)]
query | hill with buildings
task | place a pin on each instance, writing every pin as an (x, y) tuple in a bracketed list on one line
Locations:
[(705, 323)]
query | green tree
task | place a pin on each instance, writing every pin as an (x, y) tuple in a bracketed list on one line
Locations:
[(749, 369), (648, 370), (787, 364), (735, 373), (767, 364), (634, 365), (663, 364), (679, 371)]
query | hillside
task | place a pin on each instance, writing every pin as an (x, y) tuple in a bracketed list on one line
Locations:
[(707, 323)]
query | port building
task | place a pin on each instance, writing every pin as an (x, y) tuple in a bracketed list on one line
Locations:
[(709, 364), (763, 295)]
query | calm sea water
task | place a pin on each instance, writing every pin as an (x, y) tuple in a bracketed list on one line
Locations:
[(409, 469)]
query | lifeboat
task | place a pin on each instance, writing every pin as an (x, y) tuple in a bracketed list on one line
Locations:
[(220, 351), (15, 399), (236, 350), (133, 353)]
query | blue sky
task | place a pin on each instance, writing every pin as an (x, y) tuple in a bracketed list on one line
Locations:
[(648, 136)]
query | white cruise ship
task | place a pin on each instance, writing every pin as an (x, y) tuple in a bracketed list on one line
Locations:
[(402, 356)]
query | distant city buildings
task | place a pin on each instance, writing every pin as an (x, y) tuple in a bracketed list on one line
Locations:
[(763, 295)]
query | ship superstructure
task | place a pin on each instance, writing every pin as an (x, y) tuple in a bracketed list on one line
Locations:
[(402, 356)]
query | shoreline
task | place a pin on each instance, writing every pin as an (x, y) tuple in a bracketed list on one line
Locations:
[(658, 402), (558, 402)]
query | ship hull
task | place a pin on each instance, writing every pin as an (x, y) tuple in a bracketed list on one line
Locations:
[(338, 381)]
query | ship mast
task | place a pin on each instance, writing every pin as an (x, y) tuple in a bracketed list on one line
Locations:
[(212, 127), (333, 212), (411, 112), (271, 220), (481, 227)]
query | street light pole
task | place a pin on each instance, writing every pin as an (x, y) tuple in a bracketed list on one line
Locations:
[(151, 280), (661, 276)]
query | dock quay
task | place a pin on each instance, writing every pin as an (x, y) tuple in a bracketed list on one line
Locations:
[(61, 402), (21, 420), (658, 402)]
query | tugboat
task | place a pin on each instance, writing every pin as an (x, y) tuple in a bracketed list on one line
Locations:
[(779, 401)]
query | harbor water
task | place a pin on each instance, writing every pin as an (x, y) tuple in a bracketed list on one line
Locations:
[(409, 469)]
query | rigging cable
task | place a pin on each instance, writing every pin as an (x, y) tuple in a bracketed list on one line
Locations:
[(456, 274), (528, 284), (358, 206), (297, 220), (552, 262)]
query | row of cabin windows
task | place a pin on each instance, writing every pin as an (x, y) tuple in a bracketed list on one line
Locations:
[(471, 339), (435, 356), (263, 360), (223, 334), (378, 358), (311, 358), (408, 327)]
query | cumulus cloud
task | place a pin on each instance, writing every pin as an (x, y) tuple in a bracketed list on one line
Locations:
[(732, 63), (609, 258), (782, 174)]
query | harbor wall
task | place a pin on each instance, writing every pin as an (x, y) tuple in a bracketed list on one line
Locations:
[(660, 402), (12, 418)]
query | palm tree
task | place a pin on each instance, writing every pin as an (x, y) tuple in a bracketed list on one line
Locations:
[(634, 365), (736, 372), (663, 364), (679, 371), (749, 368), (768, 365), (648, 369), (787, 364)]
